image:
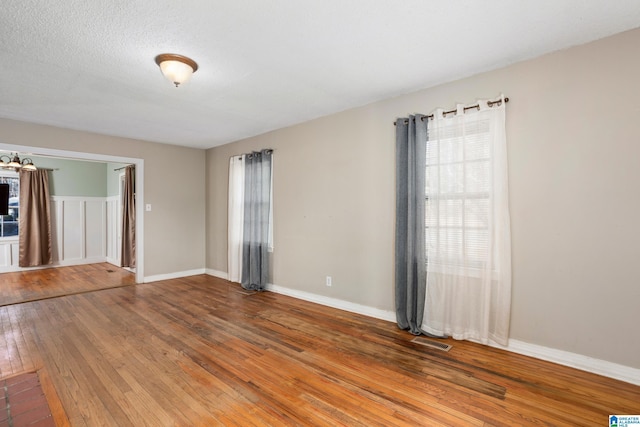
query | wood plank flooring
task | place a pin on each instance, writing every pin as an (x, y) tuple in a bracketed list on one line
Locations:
[(198, 351), (33, 285)]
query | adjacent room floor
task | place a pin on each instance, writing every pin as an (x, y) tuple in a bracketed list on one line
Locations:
[(26, 286), (200, 351)]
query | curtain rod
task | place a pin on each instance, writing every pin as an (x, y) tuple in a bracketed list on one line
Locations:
[(268, 150), (117, 169), (470, 107)]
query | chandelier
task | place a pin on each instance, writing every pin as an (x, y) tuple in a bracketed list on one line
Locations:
[(16, 164)]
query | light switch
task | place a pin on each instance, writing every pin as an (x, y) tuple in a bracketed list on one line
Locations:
[(148, 207)]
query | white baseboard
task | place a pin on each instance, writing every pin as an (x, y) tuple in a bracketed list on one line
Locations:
[(55, 264), (79, 261), (335, 303), (176, 275), (573, 360), (578, 361), (15, 269), (113, 261), (216, 273)]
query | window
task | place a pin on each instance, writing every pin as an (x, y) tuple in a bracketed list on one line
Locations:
[(457, 195), (467, 224), (9, 223)]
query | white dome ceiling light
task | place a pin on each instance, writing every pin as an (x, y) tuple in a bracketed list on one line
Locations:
[(176, 68)]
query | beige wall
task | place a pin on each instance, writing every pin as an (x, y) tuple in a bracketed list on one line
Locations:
[(173, 230), (574, 158)]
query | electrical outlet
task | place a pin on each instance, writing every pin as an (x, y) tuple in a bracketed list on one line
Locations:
[(328, 280)]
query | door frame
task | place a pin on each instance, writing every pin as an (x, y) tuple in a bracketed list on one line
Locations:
[(76, 155)]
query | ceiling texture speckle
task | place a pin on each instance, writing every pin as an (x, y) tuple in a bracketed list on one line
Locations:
[(264, 65)]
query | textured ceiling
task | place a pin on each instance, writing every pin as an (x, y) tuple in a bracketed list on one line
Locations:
[(89, 65)]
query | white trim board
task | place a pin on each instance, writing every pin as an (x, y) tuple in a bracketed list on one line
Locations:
[(565, 358), (573, 360), (216, 273), (335, 303), (319, 299), (58, 264), (176, 275)]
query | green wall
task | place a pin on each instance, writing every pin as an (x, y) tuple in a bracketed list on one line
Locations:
[(79, 177), (74, 177)]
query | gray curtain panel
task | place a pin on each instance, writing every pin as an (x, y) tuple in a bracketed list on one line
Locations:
[(128, 249), (34, 234), (257, 200), (410, 262)]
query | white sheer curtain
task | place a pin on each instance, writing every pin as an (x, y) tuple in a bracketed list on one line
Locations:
[(235, 217), (468, 293)]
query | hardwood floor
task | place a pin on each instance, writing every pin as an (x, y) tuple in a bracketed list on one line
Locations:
[(25, 286), (198, 351)]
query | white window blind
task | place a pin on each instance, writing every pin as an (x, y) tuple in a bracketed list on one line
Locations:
[(458, 181)]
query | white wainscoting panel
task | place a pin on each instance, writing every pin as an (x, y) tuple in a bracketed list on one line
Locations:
[(84, 230), (112, 240), (8, 254), (71, 227), (5, 255), (95, 228)]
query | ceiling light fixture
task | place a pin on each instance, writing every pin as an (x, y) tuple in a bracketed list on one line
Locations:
[(177, 68), (16, 164)]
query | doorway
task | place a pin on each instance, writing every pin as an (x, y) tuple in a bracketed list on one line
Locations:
[(139, 177)]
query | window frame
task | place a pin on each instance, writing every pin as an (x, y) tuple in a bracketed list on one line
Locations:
[(444, 264), (14, 175)]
